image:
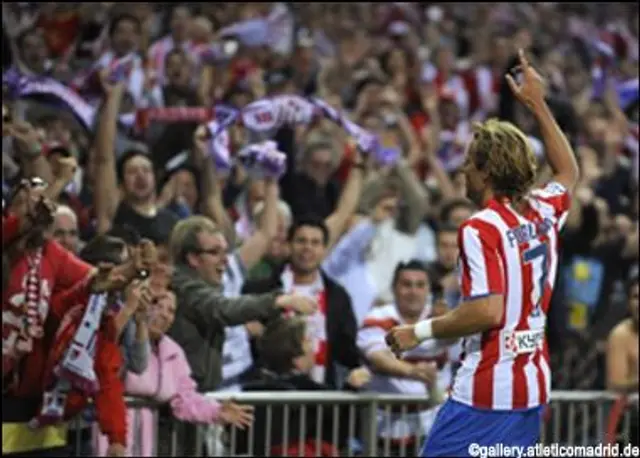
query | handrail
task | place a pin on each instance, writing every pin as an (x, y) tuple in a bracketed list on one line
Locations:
[(339, 397), (323, 397)]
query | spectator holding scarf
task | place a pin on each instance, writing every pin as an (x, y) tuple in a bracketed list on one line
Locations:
[(47, 282)]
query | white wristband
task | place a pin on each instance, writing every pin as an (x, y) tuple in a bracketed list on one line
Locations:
[(423, 330)]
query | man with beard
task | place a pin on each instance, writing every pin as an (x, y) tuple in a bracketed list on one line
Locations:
[(332, 328), (41, 269), (509, 258)]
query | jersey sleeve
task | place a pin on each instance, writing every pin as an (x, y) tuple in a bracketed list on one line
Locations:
[(557, 197), (371, 336), (70, 269), (481, 269)]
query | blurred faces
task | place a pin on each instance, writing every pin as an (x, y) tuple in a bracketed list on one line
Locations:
[(177, 67), (201, 30), (139, 179), (500, 52), (33, 50), (126, 37), (279, 249), (255, 194), (307, 249), (411, 291), (320, 165), (459, 215), (180, 21), (65, 228), (186, 187), (448, 249), (449, 114), (210, 261), (58, 131), (162, 314)]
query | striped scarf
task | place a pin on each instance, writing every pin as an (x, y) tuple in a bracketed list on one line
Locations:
[(72, 359)]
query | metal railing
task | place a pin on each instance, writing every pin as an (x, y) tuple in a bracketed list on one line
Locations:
[(290, 423)]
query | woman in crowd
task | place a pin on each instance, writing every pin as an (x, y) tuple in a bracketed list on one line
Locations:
[(167, 380)]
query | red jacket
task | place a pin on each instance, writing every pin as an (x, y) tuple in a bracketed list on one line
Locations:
[(109, 400)]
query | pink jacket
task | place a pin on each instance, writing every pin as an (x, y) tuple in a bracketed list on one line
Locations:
[(167, 379)]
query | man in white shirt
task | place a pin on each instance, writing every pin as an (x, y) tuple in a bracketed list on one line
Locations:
[(423, 371)]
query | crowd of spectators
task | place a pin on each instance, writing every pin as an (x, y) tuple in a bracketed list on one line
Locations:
[(186, 274)]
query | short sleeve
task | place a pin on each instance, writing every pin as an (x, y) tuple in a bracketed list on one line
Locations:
[(556, 196), (69, 269), (371, 336), (481, 269)]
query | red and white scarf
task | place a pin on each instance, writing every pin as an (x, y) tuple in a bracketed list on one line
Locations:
[(316, 323), (27, 321), (72, 360)]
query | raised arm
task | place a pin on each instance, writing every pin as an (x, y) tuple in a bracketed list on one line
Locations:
[(349, 199), (256, 246), (431, 144), (415, 194), (106, 195), (350, 248), (559, 153), (212, 204)]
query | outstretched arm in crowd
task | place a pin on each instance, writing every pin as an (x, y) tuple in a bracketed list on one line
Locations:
[(189, 405), (204, 304), (256, 246), (417, 199), (29, 146), (106, 195), (431, 144), (348, 203), (212, 204)]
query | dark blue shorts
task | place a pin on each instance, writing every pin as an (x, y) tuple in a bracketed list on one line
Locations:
[(457, 426)]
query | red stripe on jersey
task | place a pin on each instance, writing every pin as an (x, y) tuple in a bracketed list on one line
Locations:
[(520, 392), (490, 344), (544, 305), (383, 323)]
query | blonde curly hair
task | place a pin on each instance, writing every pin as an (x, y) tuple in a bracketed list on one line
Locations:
[(504, 153)]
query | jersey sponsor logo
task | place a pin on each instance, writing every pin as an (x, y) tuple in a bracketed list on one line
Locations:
[(522, 342)]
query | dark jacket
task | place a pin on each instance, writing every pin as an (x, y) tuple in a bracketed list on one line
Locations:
[(318, 431), (341, 323), (201, 316)]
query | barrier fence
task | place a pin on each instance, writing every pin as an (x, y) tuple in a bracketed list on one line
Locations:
[(346, 424)]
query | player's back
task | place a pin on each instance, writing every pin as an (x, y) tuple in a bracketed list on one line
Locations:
[(516, 256)]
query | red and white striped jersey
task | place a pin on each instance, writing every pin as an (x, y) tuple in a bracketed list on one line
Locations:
[(516, 256)]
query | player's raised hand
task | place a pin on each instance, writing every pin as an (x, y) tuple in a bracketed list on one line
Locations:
[(532, 89), (401, 338)]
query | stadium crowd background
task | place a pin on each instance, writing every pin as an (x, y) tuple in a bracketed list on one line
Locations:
[(417, 74)]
